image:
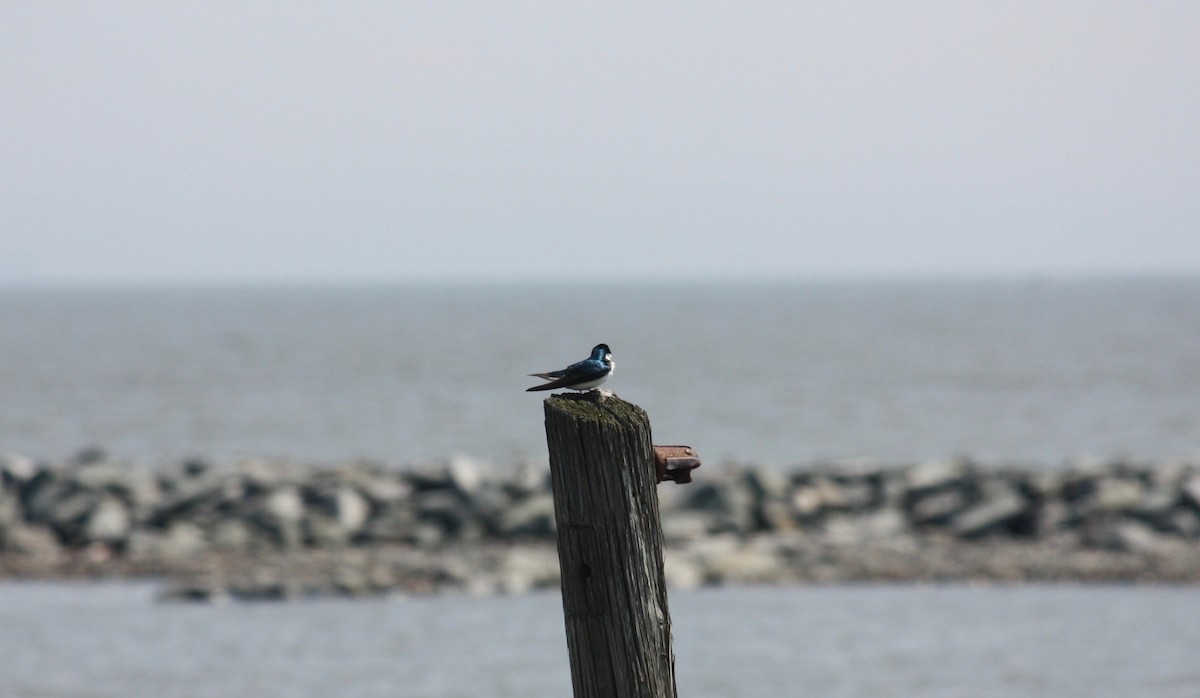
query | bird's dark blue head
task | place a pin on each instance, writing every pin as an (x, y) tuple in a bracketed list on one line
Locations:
[(601, 352)]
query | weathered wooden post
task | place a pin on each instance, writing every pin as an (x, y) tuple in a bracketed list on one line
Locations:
[(602, 466)]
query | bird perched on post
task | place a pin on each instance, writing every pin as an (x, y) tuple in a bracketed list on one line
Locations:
[(584, 375)]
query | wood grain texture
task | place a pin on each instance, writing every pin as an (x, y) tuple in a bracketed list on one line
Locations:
[(609, 547)]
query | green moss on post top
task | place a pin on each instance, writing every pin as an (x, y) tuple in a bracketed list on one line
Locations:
[(594, 406)]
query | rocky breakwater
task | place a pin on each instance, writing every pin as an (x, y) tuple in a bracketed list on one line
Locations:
[(274, 530)]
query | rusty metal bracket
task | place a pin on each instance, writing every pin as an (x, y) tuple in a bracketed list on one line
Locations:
[(675, 463)]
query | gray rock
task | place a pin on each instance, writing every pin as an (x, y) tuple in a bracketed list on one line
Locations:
[(140, 491), (232, 535), (429, 536), (936, 474), (849, 530), (338, 512), (1168, 473), (324, 532), (744, 565), (682, 526), (1046, 485), (731, 504), (181, 541), (351, 509), (1191, 491), (892, 489), (351, 581), (59, 504), (104, 475), (10, 509), (206, 496), (260, 475), (857, 494), (392, 523), (381, 578), (42, 493), (525, 569), (1185, 522), (1126, 535), (429, 478), (108, 522), (30, 541), (184, 540), (999, 508), (829, 523), (385, 489), (1053, 517), (938, 507), (765, 484), (823, 494), (857, 468), (775, 515), (490, 503), (807, 501), (472, 531), (1158, 501), (444, 508), (16, 470), (527, 478), (281, 512), (1114, 495), (465, 475), (533, 517), (1079, 486)]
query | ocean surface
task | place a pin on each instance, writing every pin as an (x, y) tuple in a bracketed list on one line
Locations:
[(1034, 370), (114, 641)]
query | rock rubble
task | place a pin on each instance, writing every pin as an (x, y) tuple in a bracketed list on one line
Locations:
[(268, 530)]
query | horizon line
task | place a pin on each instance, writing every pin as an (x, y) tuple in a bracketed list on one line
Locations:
[(594, 280)]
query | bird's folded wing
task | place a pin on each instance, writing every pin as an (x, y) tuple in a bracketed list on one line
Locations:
[(549, 375), (563, 382), (572, 375)]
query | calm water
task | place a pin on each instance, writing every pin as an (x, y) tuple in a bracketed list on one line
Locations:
[(1036, 371), (876, 642), (1031, 370)]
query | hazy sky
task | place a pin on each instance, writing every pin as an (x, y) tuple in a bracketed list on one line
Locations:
[(273, 141)]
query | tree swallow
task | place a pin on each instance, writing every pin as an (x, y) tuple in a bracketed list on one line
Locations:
[(585, 375)]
